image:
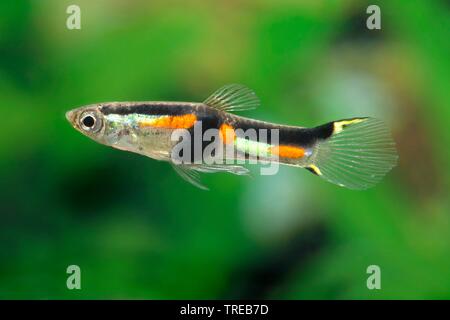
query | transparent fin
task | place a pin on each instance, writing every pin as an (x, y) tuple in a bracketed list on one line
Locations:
[(233, 97), (358, 154), (238, 170), (190, 175)]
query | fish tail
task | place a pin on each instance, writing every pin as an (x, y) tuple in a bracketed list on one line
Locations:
[(354, 153)]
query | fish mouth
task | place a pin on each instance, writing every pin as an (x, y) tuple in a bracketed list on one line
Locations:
[(70, 116)]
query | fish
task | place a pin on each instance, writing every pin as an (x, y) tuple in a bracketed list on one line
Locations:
[(354, 153)]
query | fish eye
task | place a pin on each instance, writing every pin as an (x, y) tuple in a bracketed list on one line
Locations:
[(89, 122)]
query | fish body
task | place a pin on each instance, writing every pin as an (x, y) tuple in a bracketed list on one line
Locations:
[(355, 153)]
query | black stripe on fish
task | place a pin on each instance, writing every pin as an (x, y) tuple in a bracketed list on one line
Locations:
[(169, 109), (288, 135)]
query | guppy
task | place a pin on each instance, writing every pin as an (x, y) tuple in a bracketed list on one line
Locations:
[(355, 153)]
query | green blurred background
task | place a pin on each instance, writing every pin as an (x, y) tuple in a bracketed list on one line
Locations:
[(137, 230)]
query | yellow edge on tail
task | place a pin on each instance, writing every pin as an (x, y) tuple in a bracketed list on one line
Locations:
[(340, 125)]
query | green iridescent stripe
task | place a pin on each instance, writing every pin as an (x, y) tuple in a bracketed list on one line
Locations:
[(253, 148)]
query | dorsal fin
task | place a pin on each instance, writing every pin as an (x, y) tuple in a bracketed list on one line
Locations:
[(233, 97)]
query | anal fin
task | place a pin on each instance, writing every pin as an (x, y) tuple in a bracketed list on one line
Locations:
[(212, 168), (190, 175)]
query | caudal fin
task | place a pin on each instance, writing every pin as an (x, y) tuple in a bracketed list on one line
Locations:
[(357, 155)]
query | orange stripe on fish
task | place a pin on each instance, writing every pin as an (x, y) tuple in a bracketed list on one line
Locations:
[(288, 151), (227, 133), (185, 121)]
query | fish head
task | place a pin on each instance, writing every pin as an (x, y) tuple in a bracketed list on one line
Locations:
[(89, 120)]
